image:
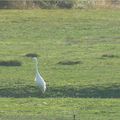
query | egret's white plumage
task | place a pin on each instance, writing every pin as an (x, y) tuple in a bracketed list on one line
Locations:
[(38, 78)]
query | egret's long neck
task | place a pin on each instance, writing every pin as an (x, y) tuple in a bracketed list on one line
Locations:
[(36, 66)]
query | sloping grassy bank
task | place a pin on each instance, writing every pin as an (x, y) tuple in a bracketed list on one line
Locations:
[(78, 53), (67, 36)]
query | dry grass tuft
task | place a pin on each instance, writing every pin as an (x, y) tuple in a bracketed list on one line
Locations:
[(68, 62), (31, 55), (10, 63)]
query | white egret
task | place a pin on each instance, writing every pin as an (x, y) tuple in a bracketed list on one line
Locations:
[(38, 78)]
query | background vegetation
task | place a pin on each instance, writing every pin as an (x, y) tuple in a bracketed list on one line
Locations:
[(51, 4)]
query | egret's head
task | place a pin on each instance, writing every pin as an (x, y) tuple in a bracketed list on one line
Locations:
[(35, 59)]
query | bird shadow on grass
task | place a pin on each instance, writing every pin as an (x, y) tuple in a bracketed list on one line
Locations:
[(66, 91)]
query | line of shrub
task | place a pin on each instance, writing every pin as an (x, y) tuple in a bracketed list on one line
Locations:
[(45, 4), (50, 4)]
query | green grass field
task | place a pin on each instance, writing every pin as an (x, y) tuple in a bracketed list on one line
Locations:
[(79, 57)]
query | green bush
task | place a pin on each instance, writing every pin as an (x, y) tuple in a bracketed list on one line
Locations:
[(65, 4), (5, 4), (54, 3), (45, 4)]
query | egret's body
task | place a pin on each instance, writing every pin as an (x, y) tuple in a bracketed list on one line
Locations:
[(38, 78)]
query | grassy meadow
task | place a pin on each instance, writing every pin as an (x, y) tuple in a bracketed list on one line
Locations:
[(79, 58)]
